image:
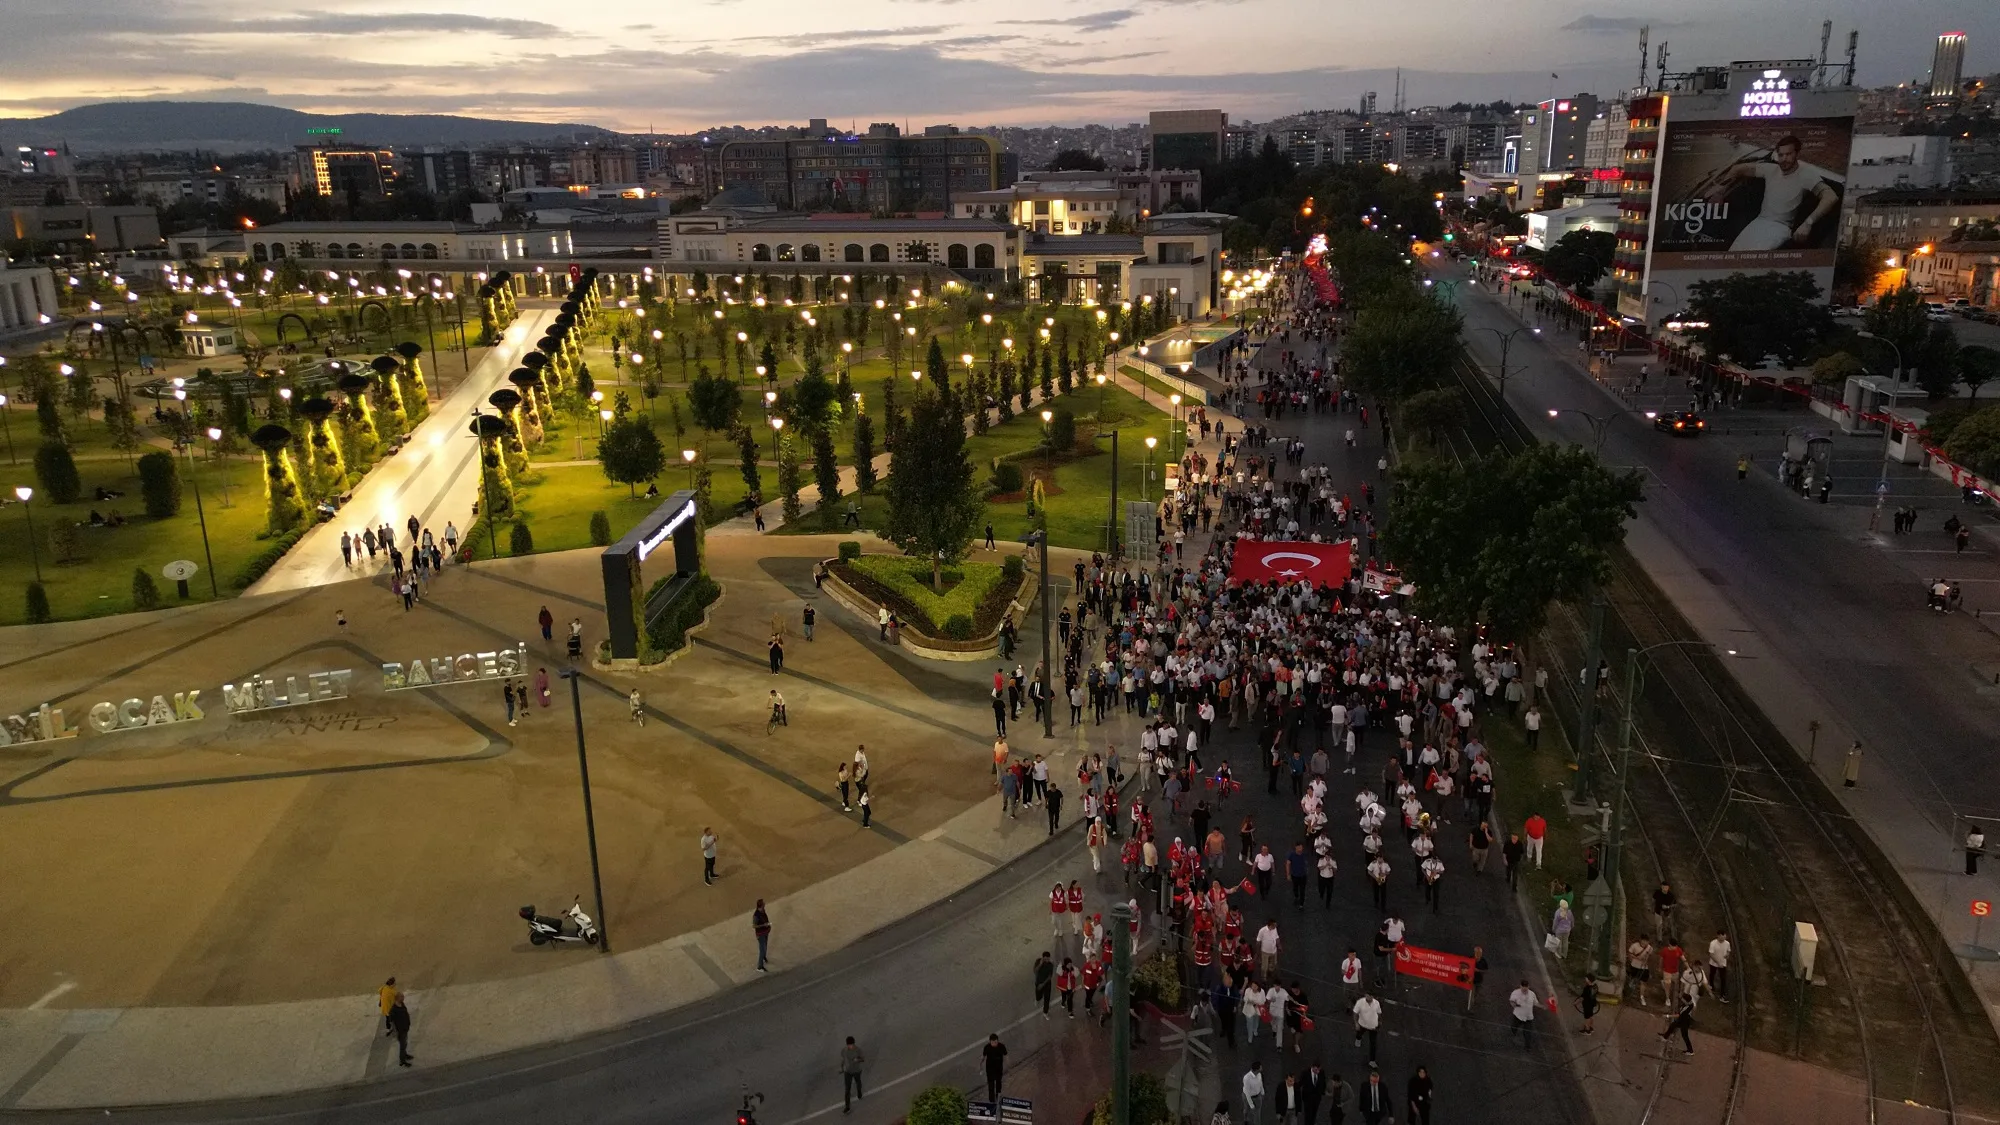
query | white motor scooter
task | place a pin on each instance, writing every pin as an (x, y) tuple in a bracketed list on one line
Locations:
[(572, 925)]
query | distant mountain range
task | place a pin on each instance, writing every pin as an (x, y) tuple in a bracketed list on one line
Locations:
[(244, 126)]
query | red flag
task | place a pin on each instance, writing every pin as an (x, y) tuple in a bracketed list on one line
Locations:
[(1319, 563)]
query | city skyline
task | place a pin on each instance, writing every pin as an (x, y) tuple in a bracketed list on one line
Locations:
[(730, 62)]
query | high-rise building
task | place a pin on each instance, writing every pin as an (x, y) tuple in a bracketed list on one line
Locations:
[(346, 172), (1186, 138), (444, 172), (880, 171), (1948, 65)]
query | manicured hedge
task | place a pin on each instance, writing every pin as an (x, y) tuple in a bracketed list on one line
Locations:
[(264, 560), (670, 631), (907, 582)]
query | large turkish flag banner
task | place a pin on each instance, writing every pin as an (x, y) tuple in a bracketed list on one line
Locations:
[(1326, 564)]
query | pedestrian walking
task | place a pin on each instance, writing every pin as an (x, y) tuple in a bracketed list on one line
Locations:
[(1066, 987), (851, 1061), (1374, 1100), (1521, 1002), (777, 652), (1586, 1004), (390, 996), (1094, 838), (637, 701), (1045, 981), (507, 693), (807, 619), (841, 783), (708, 842), (1368, 1022), (399, 1025), (547, 621), (1053, 799), (1683, 1020), (760, 924), (995, 1056), (1512, 854), (1253, 1093), (1537, 830), (867, 809), (1718, 965), (1639, 966), (1298, 867), (340, 619), (1418, 1097), (1267, 948), (541, 688)]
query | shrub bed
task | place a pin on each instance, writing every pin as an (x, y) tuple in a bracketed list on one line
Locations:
[(670, 631), (975, 597), (264, 560)]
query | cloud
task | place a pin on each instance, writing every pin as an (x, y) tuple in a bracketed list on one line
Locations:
[(1089, 21), (1614, 25), (381, 23)]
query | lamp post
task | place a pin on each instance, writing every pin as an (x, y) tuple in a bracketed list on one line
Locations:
[(1039, 539), (1598, 424), (1882, 480), (34, 550), (214, 437), (1048, 444), (1146, 481), (1614, 839), (1174, 433), (1506, 341), (603, 422), (777, 426), (589, 815), (9, 429), (688, 456), (187, 448)]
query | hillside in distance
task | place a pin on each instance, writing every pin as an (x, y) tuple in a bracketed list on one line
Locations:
[(146, 126)]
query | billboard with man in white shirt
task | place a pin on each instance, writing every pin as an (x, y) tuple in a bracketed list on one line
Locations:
[(1751, 195)]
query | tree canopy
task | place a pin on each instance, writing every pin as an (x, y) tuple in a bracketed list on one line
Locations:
[(1498, 539), (1403, 343), (932, 506), (713, 400), (631, 452), (1750, 316)]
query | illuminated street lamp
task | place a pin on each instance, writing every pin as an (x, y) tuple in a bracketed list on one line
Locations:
[(25, 493), (688, 456), (777, 425), (1146, 481)]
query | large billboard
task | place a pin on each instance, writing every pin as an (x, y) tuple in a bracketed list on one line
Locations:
[(1750, 193)]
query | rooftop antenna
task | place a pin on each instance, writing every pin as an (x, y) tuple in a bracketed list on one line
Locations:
[(1825, 36), (1661, 64), (1853, 41), (1644, 30)]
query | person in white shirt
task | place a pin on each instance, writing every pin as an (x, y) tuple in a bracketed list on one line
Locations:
[(1267, 949), (1350, 970), (1522, 1003), (1253, 1091), (1252, 1011), (1718, 966), (1275, 999), (1787, 183), (1368, 1021)]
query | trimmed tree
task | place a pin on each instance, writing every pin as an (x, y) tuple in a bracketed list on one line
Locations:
[(145, 591), (746, 449), (160, 484), (826, 476), (713, 400), (285, 504), (630, 452), (55, 468), (790, 476), (864, 453), (932, 506)]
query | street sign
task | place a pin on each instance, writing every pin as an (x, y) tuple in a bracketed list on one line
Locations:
[(1434, 965), (1981, 908), (180, 570)]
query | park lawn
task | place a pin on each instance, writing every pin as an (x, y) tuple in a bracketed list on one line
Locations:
[(556, 502), (100, 582), (1148, 380), (874, 508), (1081, 498)]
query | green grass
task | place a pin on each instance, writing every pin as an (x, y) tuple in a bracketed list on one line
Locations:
[(1533, 782), (1149, 381), (100, 582), (1080, 500)]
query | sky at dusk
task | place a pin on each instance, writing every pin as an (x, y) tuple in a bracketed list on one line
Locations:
[(676, 65)]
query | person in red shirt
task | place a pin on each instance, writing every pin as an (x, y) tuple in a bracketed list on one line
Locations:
[(1066, 986), (1535, 829), (1076, 907), (1058, 906), (1093, 978), (1670, 971)]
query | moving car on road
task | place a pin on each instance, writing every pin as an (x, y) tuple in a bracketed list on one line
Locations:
[(1684, 423)]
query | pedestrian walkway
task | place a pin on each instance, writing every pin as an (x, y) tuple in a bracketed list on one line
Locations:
[(435, 477)]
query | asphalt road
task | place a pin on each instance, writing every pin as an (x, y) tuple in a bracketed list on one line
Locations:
[(1842, 605)]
